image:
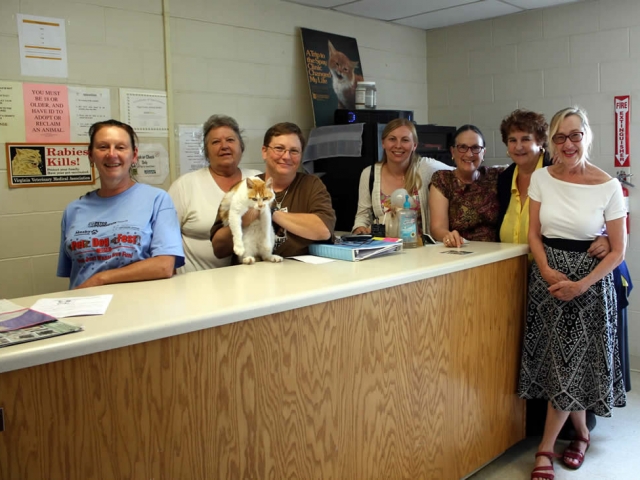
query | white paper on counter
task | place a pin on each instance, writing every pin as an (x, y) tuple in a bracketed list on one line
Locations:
[(312, 259), (74, 306)]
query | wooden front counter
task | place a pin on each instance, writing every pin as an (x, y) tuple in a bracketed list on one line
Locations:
[(415, 381)]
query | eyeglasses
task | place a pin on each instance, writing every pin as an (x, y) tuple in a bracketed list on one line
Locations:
[(280, 150), (475, 149), (575, 137)]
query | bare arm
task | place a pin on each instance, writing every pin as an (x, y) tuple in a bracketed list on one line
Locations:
[(154, 268), (439, 219), (568, 290), (305, 225)]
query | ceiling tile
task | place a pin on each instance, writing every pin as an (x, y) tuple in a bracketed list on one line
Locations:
[(396, 9), (320, 3), (460, 14), (531, 4)]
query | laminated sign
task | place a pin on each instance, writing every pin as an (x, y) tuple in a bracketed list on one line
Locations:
[(48, 164)]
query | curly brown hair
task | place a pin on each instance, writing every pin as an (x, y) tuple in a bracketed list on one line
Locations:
[(525, 121)]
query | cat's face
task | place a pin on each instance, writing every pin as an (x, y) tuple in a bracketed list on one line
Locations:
[(260, 193), (283, 164), (223, 148), (340, 65)]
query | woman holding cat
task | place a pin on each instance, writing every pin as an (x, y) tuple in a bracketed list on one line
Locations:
[(197, 195), (400, 167), (302, 211), (124, 231)]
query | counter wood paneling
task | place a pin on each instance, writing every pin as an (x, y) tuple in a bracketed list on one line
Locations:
[(413, 381)]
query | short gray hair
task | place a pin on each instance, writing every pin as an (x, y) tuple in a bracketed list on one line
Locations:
[(217, 121)]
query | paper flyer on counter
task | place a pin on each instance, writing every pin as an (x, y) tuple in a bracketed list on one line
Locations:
[(86, 107), (145, 111), (190, 145), (43, 46)]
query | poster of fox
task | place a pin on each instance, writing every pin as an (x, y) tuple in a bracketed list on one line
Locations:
[(333, 70)]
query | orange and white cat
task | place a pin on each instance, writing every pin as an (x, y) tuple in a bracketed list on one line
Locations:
[(257, 239), (344, 77)]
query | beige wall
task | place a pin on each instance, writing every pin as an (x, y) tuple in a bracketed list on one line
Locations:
[(238, 57), (583, 53)]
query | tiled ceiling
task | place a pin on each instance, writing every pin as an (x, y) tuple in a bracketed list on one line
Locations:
[(428, 14)]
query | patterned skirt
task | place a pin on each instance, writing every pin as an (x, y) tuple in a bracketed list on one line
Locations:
[(570, 350)]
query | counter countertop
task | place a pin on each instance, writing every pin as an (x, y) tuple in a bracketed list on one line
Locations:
[(145, 311)]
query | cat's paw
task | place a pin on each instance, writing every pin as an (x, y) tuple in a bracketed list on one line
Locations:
[(275, 258), (238, 250), (249, 260)]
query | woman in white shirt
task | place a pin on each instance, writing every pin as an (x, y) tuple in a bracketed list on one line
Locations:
[(570, 354), (400, 167), (197, 195)]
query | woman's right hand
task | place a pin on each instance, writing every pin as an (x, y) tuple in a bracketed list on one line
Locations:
[(552, 276), (361, 231)]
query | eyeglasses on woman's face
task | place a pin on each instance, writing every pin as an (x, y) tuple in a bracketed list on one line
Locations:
[(279, 150), (475, 149), (575, 137)]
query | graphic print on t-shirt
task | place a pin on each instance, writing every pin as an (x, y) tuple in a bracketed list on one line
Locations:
[(113, 243)]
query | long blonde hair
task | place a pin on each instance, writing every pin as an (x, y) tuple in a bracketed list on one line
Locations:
[(412, 177)]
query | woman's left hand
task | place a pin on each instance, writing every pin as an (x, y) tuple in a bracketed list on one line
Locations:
[(453, 239), (566, 290)]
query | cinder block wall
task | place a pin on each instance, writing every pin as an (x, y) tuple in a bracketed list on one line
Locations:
[(239, 57), (582, 53)]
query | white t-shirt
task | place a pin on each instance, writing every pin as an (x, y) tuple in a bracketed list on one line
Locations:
[(197, 197), (574, 211)]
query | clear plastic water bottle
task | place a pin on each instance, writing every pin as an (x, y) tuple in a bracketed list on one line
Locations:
[(408, 225)]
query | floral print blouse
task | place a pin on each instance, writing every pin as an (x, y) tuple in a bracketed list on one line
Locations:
[(473, 208)]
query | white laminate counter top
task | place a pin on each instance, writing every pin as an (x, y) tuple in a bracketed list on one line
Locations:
[(145, 311)]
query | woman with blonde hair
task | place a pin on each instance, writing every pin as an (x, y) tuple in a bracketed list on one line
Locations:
[(400, 167), (570, 354)]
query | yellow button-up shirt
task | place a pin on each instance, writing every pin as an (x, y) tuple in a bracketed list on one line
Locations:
[(515, 226)]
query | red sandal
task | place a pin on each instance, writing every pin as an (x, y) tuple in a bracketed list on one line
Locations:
[(575, 454), (545, 472)]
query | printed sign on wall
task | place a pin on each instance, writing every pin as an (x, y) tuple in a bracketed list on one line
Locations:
[(621, 108), (48, 164)]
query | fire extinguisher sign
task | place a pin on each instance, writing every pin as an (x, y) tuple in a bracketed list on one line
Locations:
[(621, 108)]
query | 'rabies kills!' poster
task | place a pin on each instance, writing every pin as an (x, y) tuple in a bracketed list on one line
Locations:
[(48, 164)]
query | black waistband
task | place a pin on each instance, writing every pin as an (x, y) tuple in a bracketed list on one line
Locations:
[(569, 245)]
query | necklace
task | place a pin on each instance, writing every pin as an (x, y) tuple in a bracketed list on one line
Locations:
[(474, 177), (279, 203)]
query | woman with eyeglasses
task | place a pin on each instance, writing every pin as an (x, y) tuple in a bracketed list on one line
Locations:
[(570, 355), (302, 211), (197, 195), (464, 202), (400, 167)]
